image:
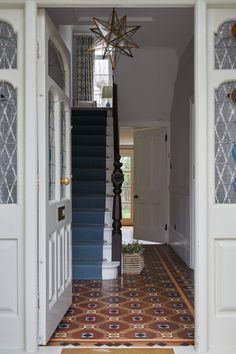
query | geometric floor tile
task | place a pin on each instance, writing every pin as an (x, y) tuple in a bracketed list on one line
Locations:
[(155, 307)]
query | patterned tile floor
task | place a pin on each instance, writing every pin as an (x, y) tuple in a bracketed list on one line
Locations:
[(155, 307)]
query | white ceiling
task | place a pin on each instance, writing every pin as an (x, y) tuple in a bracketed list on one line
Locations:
[(161, 27)]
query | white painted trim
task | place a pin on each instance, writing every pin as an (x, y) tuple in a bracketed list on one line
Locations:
[(192, 181), (31, 192), (201, 151), (116, 3), (201, 252), (142, 125)]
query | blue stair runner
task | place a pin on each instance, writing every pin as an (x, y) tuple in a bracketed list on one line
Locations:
[(88, 192)]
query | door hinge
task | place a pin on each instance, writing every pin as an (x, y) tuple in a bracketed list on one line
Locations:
[(38, 50), (38, 301), (165, 227), (166, 137)]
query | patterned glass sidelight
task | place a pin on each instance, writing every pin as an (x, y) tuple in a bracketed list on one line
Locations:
[(225, 144), (8, 47), (51, 147), (55, 65), (63, 149), (225, 46), (8, 144)]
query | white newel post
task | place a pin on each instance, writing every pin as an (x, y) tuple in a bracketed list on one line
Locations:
[(31, 154)]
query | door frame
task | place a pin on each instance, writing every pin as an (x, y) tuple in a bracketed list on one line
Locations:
[(192, 179), (159, 125), (31, 151), (129, 151)]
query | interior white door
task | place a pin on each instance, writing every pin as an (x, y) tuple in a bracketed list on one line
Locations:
[(55, 284), (150, 185), (222, 178)]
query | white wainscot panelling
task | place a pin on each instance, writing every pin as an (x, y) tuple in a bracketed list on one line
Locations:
[(225, 265), (52, 269), (8, 278)]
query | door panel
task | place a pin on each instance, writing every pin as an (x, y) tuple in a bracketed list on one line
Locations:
[(12, 181), (222, 177), (150, 185), (55, 284)]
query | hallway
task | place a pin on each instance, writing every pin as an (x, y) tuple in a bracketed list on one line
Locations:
[(155, 307)]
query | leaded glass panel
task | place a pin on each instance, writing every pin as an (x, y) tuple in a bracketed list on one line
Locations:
[(8, 47), (225, 144), (8, 144), (52, 147), (63, 149), (225, 46), (55, 65)]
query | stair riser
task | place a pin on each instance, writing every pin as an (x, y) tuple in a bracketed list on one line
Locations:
[(89, 140), (108, 218), (92, 120), (110, 152), (109, 164), (86, 272), (109, 188), (109, 141), (87, 217), (90, 174), (93, 151), (88, 202), (83, 252), (107, 235), (81, 234), (87, 130), (109, 130), (88, 188), (88, 162), (107, 253), (109, 203)]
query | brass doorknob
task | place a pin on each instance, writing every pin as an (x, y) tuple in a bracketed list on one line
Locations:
[(65, 181)]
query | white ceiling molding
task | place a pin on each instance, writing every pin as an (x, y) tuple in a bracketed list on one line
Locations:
[(129, 19)]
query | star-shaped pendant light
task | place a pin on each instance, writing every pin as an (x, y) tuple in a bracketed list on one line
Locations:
[(114, 37)]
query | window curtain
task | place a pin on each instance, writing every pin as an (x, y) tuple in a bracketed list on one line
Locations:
[(84, 68)]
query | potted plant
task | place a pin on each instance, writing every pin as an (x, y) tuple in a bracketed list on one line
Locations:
[(133, 260)]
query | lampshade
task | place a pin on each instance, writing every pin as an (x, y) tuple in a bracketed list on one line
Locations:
[(107, 92)]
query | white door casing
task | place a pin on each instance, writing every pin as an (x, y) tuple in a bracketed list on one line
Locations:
[(192, 184), (150, 185), (221, 206), (12, 179), (201, 151), (55, 283)]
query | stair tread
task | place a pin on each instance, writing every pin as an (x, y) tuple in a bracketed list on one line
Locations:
[(87, 261), (88, 242), (91, 209), (89, 181), (89, 226)]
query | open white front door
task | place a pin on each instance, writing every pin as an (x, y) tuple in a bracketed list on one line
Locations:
[(150, 185), (55, 285)]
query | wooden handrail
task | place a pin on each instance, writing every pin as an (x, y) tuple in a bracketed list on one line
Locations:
[(117, 180)]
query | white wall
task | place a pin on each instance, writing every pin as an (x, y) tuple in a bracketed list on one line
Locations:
[(179, 235), (126, 136), (146, 85)]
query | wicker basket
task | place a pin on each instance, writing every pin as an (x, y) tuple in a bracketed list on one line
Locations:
[(133, 263)]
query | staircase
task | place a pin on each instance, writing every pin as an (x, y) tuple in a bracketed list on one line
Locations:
[(92, 161)]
